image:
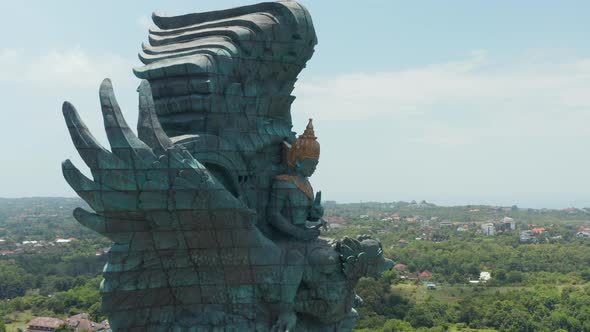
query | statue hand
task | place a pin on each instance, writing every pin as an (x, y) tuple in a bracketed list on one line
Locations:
[(323, 224), (317, 210), (311, 234)]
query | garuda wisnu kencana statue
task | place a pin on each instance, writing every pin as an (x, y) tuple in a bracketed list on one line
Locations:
[(214, 222)]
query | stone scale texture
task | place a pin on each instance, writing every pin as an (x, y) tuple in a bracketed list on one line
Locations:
[(214, 222)]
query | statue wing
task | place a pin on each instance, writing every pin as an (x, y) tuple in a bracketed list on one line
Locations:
[(144, 182), (183, 242)]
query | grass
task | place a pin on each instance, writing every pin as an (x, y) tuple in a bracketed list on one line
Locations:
[(447, 294), (420, 294), (18, 319)]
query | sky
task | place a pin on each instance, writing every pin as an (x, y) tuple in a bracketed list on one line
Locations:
[(453, 102)]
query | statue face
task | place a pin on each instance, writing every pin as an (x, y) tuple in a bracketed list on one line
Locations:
[(377, 264), (307, 166)]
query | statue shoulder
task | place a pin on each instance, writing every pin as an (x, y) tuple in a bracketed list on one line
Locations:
[(284, 181)]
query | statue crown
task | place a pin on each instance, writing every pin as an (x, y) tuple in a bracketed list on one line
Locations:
[(305, 146)]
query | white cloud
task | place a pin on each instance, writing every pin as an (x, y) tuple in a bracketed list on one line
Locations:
[(463, 83), (8, 57), (38, 84), (67, 68), (461, 102)]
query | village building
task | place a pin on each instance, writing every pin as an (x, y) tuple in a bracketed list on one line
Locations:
[(82, 322), (527, 237), (508, 224), (44, 324), (335, 221), (400, 267), (79, 323), (445, 223), (410, 276), (488, 228), (60, 240), (424, 236), (485, 276)]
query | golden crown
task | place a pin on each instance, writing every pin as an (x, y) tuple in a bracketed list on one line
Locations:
[(305, 146)]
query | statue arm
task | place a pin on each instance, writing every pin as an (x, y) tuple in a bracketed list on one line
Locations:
[(281, 223)]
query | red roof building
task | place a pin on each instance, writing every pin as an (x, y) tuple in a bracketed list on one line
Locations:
[(400, 267), (44, 324), (425, 274), (81, 322)]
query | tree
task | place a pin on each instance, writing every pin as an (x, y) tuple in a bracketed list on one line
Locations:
[(514, 277), (96, 313), (397, 325)]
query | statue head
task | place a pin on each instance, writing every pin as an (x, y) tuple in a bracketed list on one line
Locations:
[(304, 154), (377, 263), (362, 257)]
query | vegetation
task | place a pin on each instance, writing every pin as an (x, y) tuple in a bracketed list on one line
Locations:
[(534, 287), (40, 276), (543, 286)]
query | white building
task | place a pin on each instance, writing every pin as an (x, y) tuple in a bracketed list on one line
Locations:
[(488, 228), (509, 221), (485, 276)]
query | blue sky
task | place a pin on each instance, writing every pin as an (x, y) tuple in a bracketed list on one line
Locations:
[(455, 102)]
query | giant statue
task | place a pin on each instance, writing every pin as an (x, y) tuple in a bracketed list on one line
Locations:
[(214, 223)]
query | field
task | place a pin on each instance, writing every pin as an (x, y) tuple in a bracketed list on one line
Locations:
[(451, 293), (18, 319)]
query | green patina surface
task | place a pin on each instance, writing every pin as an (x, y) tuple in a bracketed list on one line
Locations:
[(214, 222)]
